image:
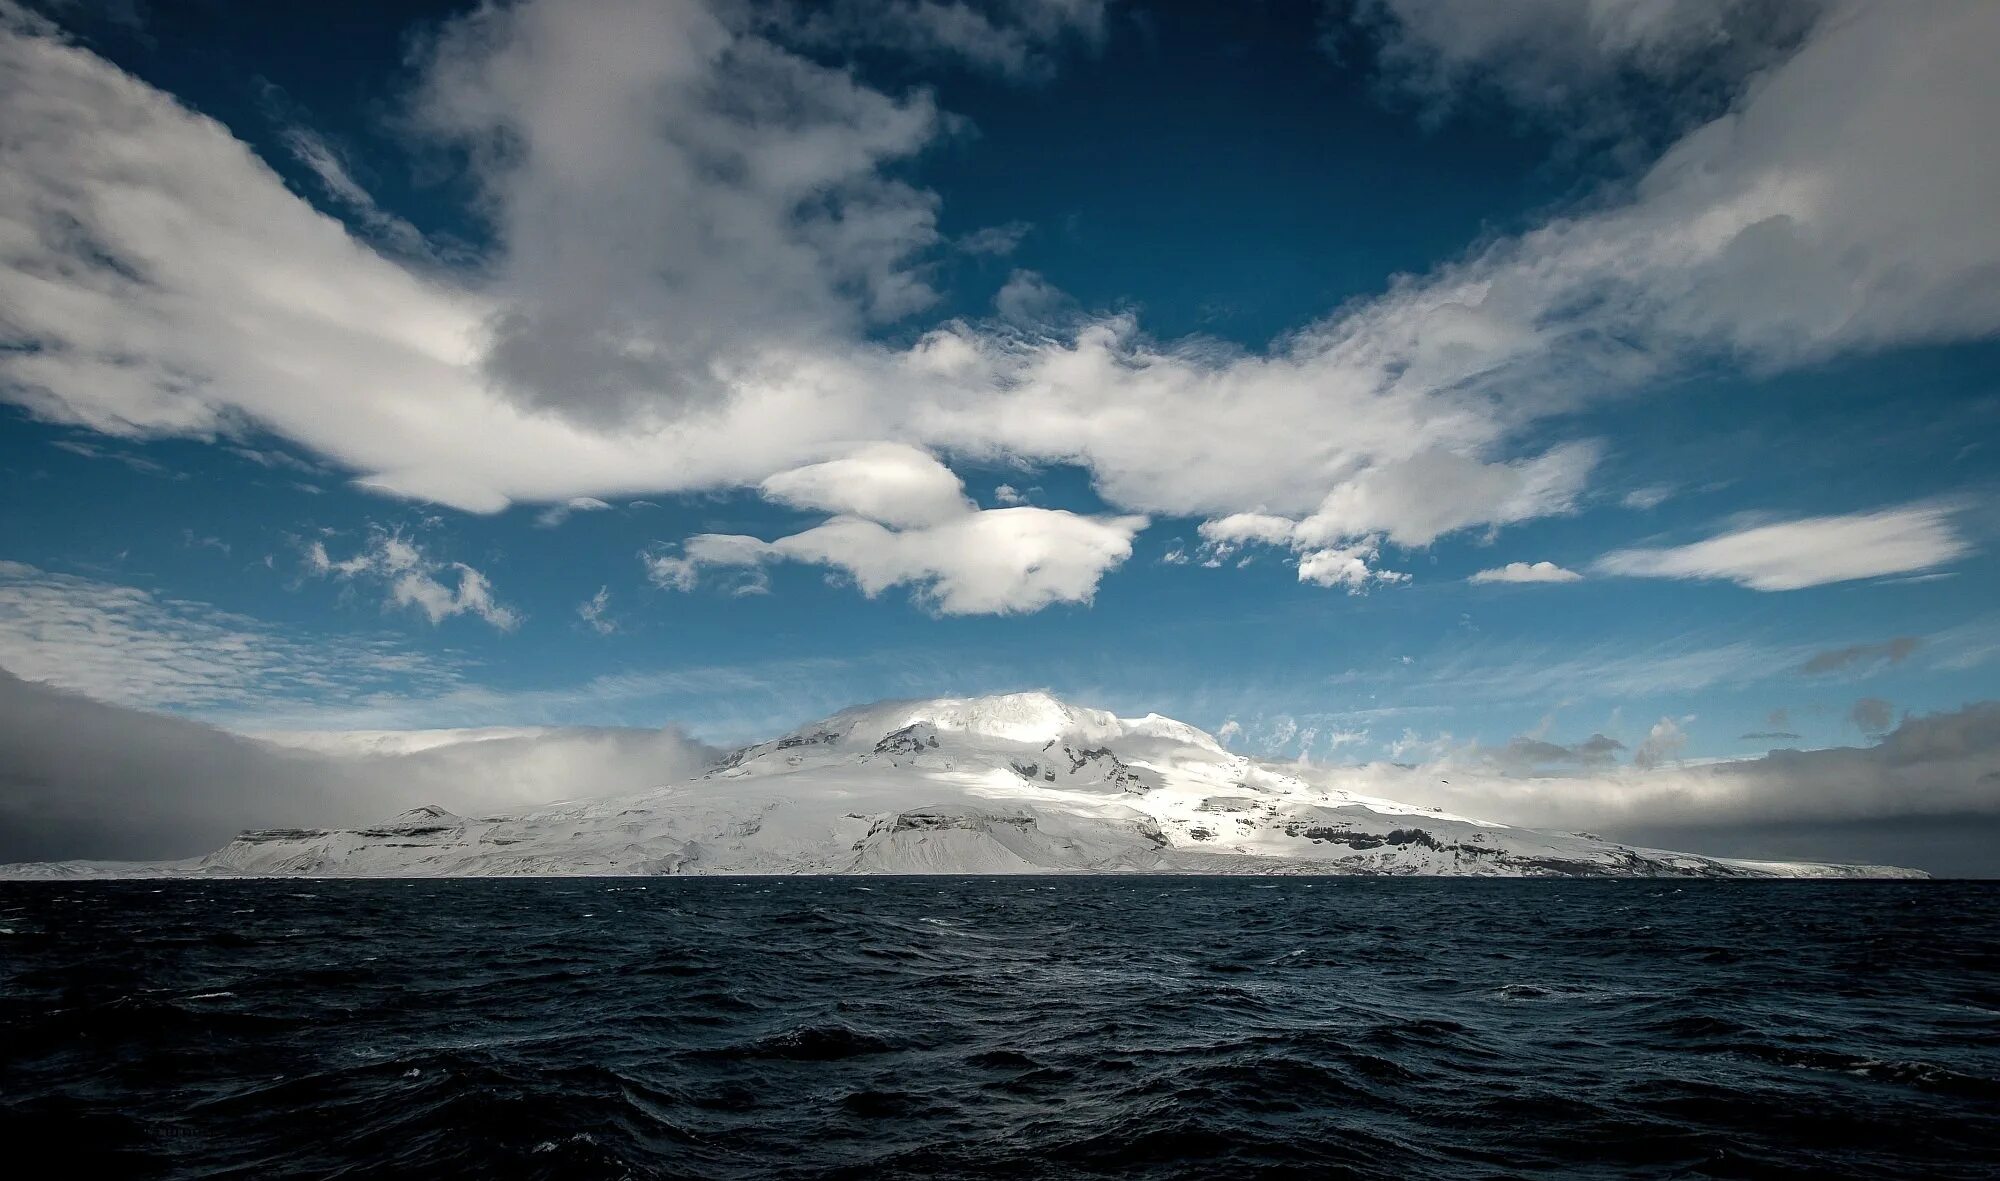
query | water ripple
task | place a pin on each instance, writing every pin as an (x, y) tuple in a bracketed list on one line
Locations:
[(962, 1027)]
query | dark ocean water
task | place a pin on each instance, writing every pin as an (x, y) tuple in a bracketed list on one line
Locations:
[(1133, 1027)]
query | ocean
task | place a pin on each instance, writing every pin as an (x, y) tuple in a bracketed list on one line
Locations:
[(1018, 1027)]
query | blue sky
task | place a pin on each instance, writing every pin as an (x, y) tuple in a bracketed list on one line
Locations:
[(1252, 339)]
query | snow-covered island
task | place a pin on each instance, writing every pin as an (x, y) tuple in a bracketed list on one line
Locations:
[(1020, 783)]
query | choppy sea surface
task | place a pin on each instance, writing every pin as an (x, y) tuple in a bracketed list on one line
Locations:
[(966, 1027)]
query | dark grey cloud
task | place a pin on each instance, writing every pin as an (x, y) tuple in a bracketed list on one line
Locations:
[(1595, 71), (1847, 800), (1872, 715), (83, 779), (1525, 754), (1959, 845), (1935, 765), (1015, 39), (1861, 657)]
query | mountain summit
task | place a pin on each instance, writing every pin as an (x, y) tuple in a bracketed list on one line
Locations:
[(1016, 783)]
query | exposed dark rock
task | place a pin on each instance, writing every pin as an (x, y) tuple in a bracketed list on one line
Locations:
[(910, 740)]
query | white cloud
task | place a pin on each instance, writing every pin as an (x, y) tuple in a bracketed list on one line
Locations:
[(657, 164), (1650, 497), (905, 521), (129, 646), (1412, 502), (1664, 742), (1348, 566), (412, 578), (1830, 209), (325, 163), (1416, 500), (994, 241), (556, 514), (1006, 496), (1810, 552), (592, 611), (1026, 299), (651, 164), (1237, 528), (980, 562), (893, 483), (1527, 572), (996, 560)]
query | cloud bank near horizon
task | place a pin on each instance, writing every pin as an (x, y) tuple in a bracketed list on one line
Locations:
[(83, 779), (86, 780)]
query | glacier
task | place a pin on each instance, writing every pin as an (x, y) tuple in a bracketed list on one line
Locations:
[(1017, 783)]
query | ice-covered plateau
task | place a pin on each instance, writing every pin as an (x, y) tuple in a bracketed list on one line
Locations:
[(1020, 783)]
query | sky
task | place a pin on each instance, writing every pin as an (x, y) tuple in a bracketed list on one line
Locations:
[(1585, 392)]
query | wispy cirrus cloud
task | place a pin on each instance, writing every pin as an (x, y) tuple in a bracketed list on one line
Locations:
[(1861, 658), (130, 646), (1811, 551)]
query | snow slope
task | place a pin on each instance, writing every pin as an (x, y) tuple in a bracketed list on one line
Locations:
[(1020, 783)]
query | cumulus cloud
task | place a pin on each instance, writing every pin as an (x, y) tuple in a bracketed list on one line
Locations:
[(1858, 658), (983, 562), (1028, 300), (1663, 742), (410, 577), (647, 165), (1348, 566), (894, 483), (1527, 572), (1813, 551), (651, 164), (84, 779), (1352, 566), (904, 520)]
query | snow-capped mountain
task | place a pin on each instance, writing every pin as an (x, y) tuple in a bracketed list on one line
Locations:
[(1020, 783)]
